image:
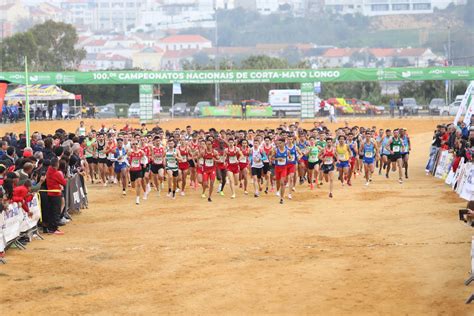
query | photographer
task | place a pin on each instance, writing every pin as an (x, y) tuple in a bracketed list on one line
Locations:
[(438, 136)]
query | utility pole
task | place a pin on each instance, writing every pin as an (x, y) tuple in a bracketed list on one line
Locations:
[(450, 83), (216, 58)]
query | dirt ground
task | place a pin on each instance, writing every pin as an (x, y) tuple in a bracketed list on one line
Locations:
[(386, 249)]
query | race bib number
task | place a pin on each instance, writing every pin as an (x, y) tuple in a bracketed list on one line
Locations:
[(257, 159), (396, 149), (291, 157), (369, 154), (221, 159), (341, 157), (135, 163), (209, 162), (328, 161), (102, 155), (200, 161), (184, 157), (172, 164), (111, 157), (243, 159), (313, 157), (281, 161), (233, 159), (158, 160)]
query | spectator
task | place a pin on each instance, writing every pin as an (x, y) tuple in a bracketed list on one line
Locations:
[(3, 149), (55, 182), (50, 110), (244, 110), (59, 111), (332, 113), (400, 108), (48, 153), (392, 107)]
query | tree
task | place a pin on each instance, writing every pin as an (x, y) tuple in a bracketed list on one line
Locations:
[(48, 46), (56, 42), (264, 62)]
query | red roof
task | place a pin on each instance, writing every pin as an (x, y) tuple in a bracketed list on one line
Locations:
[(96, 43), (339, 52), (184, 39), (409, 52), (382, 52)]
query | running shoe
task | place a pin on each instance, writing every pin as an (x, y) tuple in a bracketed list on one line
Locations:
[(182, 193), (137, 201), (177, 190), (232, 196), (367, 183), (330, 195), (57, 232), (169, 194), (281, 201), (221, 193), (209, 199), (255, 195), (349, 183), (124, 192), (266, 191), (400, 181), (203, 196), (245, 192), (311, 186), (145, 196), (289, 196), (277, 193)]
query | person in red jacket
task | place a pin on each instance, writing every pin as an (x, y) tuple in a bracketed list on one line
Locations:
[(22, 195), (55, 182)]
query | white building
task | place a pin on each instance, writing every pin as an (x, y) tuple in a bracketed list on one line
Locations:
[(117, 15), (379, 7), (261, 6), (184, 42), (81, 12)]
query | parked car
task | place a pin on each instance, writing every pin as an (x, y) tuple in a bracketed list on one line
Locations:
[(436, 106), (453, 108), (180, 109), (225, 102), (410, 106), (134, 110), (198, 108)]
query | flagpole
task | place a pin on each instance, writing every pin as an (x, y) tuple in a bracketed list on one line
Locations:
[(27, 105)]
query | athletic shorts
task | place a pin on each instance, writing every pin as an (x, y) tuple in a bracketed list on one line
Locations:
[(368, 161), (209, 175), (395, 157), (110, 163), (361, 156), (280, 172), (303, 162), (118, 167), (199, 170), (91, 160), (311, 165), (135, 174), (343, 164), (183, 165), (191, 164), (290, 168), (327, 168), (404, 154), (257, 172), (352, 161), (174, 173), (156, 168), (234, 168), (102, 160), (266, 167), (242, 166)]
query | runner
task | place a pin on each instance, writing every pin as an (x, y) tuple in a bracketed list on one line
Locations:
[(183, 163), (110, 151), (395, 146), (327, 156), (120, 164), (210, 157), (268, 167), (406, 149), (172, 157), (194, 148), (157, 166), (102, 157), (385, 153), (353, 160), (312, 151), (136, 174), (369, 151), (303, 161), (343, 156), (221, 167), (280, 155), (90, 152), (293, 154), (244, 164), (232, 154), (257, 155)]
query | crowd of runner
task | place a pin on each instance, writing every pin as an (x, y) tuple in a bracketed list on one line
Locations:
[(257, 161)]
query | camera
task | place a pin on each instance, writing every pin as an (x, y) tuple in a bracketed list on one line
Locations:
[(466, 216)]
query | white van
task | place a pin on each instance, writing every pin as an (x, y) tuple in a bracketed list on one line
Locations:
[(453, 108), (287, 102)]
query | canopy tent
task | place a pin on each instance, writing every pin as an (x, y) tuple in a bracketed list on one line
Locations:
[(39, 92)]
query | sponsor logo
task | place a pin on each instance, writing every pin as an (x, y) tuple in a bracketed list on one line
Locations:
[(437, 72), (406, 74), (34, 78)]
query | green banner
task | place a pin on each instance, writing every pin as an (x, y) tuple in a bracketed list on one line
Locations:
[(146, 102), (307, 100), (243, 76), (236, 111)]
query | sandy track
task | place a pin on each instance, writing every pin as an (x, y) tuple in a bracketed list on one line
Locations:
[(387, 249)]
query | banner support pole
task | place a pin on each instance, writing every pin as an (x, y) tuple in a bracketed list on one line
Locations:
[(27, 105)]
